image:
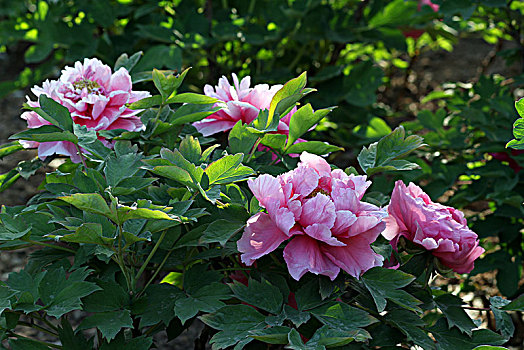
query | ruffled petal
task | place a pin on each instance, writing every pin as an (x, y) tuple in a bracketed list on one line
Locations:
[(260, 237), (304, 254)]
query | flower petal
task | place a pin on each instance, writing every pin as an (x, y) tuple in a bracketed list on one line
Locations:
[(260, 237), (303, 254), (356, 257), (318, 210)]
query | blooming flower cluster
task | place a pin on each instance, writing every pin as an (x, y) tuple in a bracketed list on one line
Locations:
[(242, 102), (94, 96), (440, 229), (320, 211)]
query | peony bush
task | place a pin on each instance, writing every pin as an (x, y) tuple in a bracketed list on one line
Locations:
[(149, 224)]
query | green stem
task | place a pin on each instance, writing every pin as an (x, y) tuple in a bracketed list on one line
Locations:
[(43, 319), (155, 122), (37, 327), (11, 334), (255, 146), (150, 256), (152, 328), (120, 254), (159, 268), (81, 157), (50, 246)]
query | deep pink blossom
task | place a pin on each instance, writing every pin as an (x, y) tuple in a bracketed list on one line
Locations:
[(320, 212), (94, 96), (440, 229), (239, 102)]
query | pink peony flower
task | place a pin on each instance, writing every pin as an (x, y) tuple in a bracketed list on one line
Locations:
[(241, 103), (320, 211), (440, 229), (94, 96)]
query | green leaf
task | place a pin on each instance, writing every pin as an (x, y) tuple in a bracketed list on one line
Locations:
[(5, 295), (453, 339), (381, 155), (272, 335), (68, 299), (221, 231), (161, 299), (295, 342), (167, 84), (519, 106), (126, 62), (260, 294), (227, 170), (302, 120), (274, 141), (109, 323), (54, 113), (12, 233), (61, 295), (90, 233), (515, 305), (292, 87), (234, 317), (329, 337), (120, 167), (110, 297), (191, 113), (90, 202), (190, 149), (70, 340), (204, 292), (235, 322), (8, 179), (409, 323), (147, 102), (503, 322), (10, 148), (190, 97), (263, 123), (241, 139), (308, 296), (206, 299), (128, 213), (316, 147), (342, 317), (174, 173), (385, 283), (45, 133), (121, 342), (450, 305)]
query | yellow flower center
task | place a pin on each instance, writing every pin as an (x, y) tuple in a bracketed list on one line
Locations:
[(317, 191), (86, 84)]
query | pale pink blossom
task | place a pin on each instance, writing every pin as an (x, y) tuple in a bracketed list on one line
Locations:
[(440, 229), (240, 102), (94, 96), (320, 212)]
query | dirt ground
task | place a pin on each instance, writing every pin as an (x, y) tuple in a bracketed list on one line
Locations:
[(470, 58)]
